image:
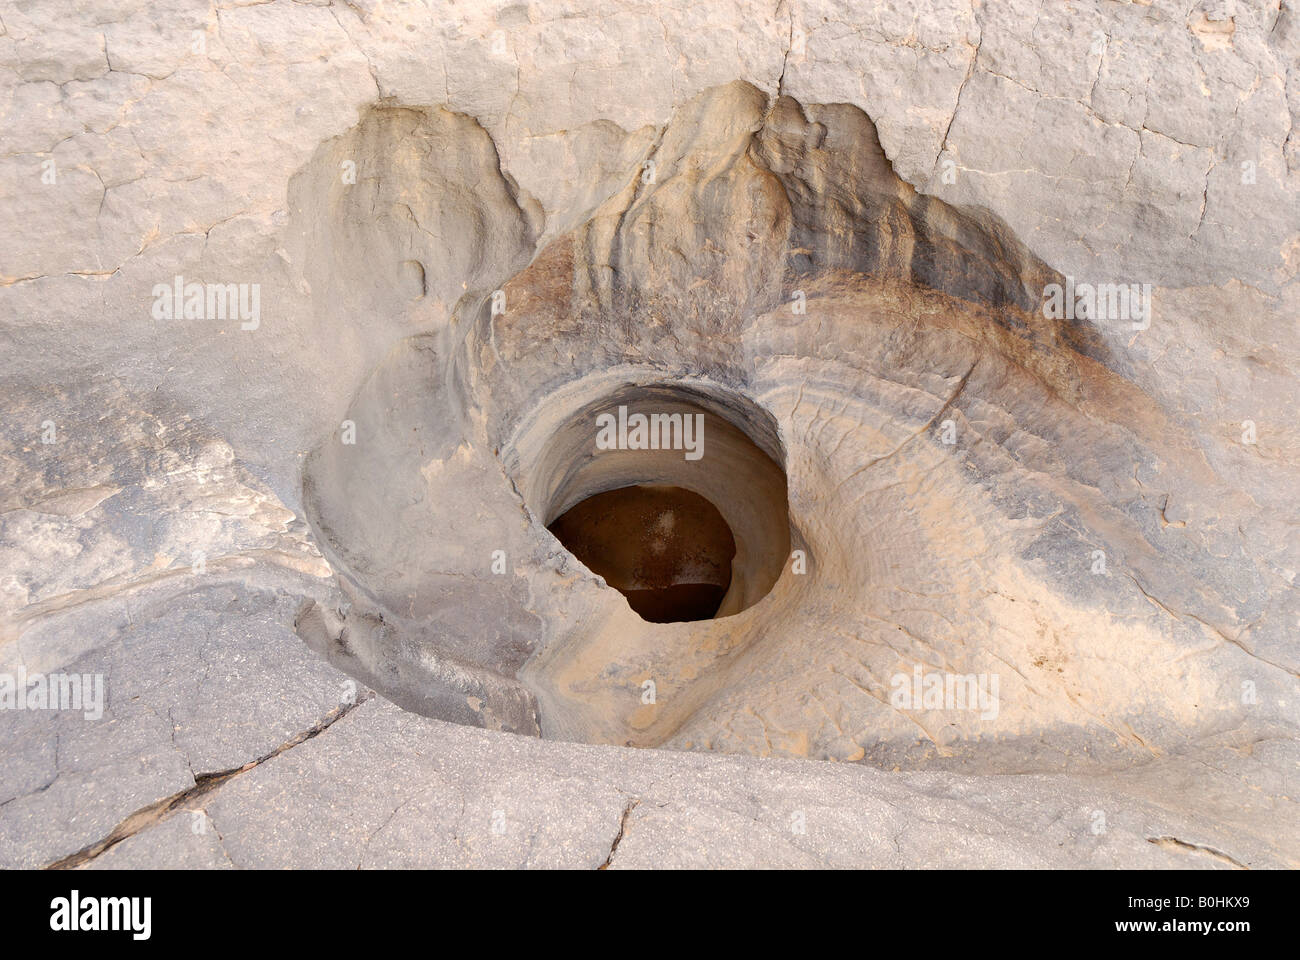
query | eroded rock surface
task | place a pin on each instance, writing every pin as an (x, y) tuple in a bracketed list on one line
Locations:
[(295, 541)]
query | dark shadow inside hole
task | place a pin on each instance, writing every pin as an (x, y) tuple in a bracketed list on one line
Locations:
[(667, 549)]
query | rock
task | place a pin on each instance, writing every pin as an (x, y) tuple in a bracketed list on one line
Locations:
[(308, 313)]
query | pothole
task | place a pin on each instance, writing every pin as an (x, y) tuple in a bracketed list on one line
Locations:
[(915, 472), (666, 549), (670, 492)]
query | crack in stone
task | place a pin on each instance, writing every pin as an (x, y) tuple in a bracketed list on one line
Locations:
[(1173, 843), (1235, 641), (970, 72), (618, 837), (204, 784), (947, 404)]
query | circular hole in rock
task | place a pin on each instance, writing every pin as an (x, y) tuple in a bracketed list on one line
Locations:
[(600, 472), (665, 548)]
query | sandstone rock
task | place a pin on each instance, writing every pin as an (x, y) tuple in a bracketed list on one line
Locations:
[(301, 531)]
